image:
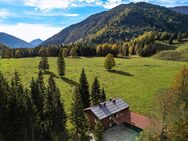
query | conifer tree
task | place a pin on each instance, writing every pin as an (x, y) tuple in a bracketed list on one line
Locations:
[(4, 91), (16, 107), (78, 118), (84, 89), (102, 95), (179, 37), (43, 64), (95, 92), (61, 64), (55, 117), (98, 131)]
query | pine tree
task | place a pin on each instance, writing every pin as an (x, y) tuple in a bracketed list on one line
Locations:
[(16, 109), (41, 85), (102, 95), (84, 89), (36, 96), (4, 91), (95, 92), (43, 64), (61, 64), (98, 131), (78, 118), (55, 117)]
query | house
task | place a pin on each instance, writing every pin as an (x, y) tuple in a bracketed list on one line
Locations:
[(115, 112)]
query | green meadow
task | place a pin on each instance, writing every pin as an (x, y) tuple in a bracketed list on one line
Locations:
[(136, 80)]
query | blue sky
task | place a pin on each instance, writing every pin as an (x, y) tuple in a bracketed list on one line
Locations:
[(31, 19)]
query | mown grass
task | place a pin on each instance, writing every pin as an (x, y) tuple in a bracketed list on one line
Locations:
[(136, 80)]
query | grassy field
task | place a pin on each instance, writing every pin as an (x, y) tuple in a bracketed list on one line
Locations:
[(178, 54), (136, 80)]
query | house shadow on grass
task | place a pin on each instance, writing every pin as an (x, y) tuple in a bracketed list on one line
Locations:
[(47, 72), (120, 72), (69, 81)]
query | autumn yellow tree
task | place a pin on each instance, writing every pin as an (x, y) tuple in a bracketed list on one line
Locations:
[(170, 121)]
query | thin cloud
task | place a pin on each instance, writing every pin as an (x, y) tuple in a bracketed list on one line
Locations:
[(108, 4), (54, 14), (4, 13)]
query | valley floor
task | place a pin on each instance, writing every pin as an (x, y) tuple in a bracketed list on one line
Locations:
[(136, 80)]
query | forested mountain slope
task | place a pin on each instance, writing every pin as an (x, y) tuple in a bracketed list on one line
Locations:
[(181, 9), (121, 22), (13, 42)]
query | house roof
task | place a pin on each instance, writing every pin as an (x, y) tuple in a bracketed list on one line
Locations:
[(108, 108)]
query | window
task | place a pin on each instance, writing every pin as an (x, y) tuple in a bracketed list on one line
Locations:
[(117, 115), (95, 120)]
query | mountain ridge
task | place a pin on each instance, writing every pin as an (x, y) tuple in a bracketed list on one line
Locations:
[(121, 22), (180, 9), (12, 41)]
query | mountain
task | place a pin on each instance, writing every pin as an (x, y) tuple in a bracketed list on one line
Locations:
[(181, 9), (36, 42), (2, 47), (12, 41), (121, 22)]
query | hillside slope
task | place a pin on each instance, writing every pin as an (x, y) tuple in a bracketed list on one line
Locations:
[(181, 9), (121, 22), (2, 46), (36, 42), (13, 42), (180, 54)]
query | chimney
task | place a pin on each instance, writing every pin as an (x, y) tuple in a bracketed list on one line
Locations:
[(114, 101), (100, 105)]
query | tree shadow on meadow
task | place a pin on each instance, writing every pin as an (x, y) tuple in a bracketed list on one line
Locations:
[(69, 81), (47, 72), (120, 72)]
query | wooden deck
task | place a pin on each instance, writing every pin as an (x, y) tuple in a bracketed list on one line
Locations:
[(139, 121)]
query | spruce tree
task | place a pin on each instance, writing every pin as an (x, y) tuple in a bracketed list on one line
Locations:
[(43, 64), (102, 95), (16, 108), (98, 131), (78, 118), (36, 96), (4, 91), (55, 117), (84, 89), (95, 92), (61, 64)]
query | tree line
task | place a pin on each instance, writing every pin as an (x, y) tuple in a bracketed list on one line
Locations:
[(143, 45)]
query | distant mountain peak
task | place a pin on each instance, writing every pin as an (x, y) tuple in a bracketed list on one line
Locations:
[(180, 9), (12, 41), (36, 42)]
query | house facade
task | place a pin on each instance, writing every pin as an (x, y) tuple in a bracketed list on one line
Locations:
[(111, 112)]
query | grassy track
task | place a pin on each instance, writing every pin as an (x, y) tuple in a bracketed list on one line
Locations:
[(136, 80)]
